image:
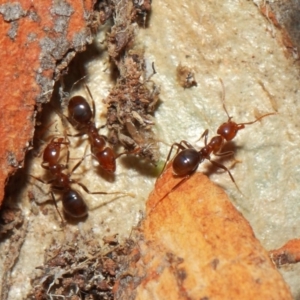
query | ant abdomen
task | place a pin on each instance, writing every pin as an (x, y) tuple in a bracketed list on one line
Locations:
[(79, 110), (73, 204), (186, 162)]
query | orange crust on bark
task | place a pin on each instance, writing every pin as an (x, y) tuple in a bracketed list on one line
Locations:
[(194, 244), (287, 254), (28, 65)]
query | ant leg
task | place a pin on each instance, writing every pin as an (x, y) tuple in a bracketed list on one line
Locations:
[(205, 135), (67, 143), (223, 99), (173, 188), (102, 193), (134, 151), (62, 116), (52, 195), (77, 82), (79, 163), (67, 160), (59, 188), (54, 201), (45, 166), (93, 101), (41, 180), (77, 134), (81, 160), (227, 153), (101, 128), (186, 144), (180, 146), (229, 173), (39, 136)]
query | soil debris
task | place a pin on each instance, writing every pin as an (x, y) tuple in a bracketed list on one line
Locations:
[(185, 77), (131, 105), (132, 102), (13, 228), (79, 269)]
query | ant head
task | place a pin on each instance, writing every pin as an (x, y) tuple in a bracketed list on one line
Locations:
[(229, 130), (52, 152), (79, 110), (106, 159), (51, 157)]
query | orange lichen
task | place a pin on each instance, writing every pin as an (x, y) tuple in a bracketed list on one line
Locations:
[(194, 244), (32, 36), (287, 254)]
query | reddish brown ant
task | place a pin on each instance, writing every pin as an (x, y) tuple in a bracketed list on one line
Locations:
[(81, 114), (73, 203), (187, 158)]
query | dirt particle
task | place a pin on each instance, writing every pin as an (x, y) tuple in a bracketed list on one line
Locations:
[(79, 266), (131, 106), (185, 76)]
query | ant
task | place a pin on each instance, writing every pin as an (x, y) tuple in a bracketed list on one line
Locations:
[(73, 203), (187, 158), (81, 114)]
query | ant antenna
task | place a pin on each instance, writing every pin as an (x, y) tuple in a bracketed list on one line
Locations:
[(258, 119), (93, 101), (79, 80), (223, 98)]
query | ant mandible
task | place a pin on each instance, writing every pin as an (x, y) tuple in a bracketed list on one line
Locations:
[(81, 114), (187, 158), (73, 203)]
